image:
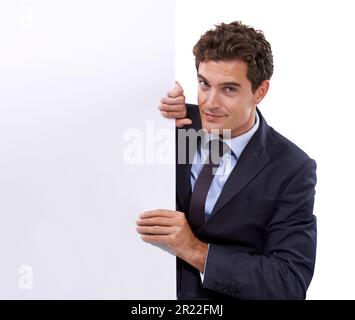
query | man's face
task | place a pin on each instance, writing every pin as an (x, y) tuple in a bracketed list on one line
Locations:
[(225, 96)]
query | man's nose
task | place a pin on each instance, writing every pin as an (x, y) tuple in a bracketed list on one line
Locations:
[(213, 99)]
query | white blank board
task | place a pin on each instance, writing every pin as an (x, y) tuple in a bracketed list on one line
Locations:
[(80, 82)]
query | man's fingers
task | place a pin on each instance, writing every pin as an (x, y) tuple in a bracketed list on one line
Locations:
[(178, 86), (156, 230), (161, 221), (173, 115), (182, 122), (154, 238), (172, 107), (158, 213), (176, 91), (172, 101)]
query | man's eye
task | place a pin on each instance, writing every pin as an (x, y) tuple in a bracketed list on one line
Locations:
[(203, 84), (230, 89)]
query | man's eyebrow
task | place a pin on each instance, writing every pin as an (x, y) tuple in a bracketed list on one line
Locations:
[(228, 83)]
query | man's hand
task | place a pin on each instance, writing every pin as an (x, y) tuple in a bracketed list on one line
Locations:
[(173, 106), (172, 229)]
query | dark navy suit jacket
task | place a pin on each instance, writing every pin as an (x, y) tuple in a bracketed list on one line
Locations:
[(262, 232)]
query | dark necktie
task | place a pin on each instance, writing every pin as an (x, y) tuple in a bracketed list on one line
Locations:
[(198, 198)]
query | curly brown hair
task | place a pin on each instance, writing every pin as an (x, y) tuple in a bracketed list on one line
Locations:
[(237, 41)]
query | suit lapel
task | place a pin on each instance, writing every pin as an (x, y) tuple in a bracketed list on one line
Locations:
[(248, 166)]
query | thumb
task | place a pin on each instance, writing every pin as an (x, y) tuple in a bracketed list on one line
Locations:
[(176, 91), (178, 87), (182, 122)]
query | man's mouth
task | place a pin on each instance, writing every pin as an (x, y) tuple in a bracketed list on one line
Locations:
[(211, 116)]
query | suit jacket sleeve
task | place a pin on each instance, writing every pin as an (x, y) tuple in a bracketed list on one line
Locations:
[(285, 268)]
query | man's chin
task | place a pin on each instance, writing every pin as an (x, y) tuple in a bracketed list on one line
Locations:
[(210, 128), (218, 130)]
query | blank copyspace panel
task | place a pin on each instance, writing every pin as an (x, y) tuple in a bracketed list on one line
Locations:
[(83, 148)]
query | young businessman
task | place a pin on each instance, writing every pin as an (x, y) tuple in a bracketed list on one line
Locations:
[(250, 232)]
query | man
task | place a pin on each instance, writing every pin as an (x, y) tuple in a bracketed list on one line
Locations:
[(256, 235)]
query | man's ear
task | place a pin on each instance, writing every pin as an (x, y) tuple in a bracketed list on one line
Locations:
[(261, 92)]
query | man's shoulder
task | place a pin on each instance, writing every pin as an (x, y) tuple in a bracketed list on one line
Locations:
[(283, 149)]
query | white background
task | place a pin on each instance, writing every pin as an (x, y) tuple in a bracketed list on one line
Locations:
[(310, 102), (75, 77)]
